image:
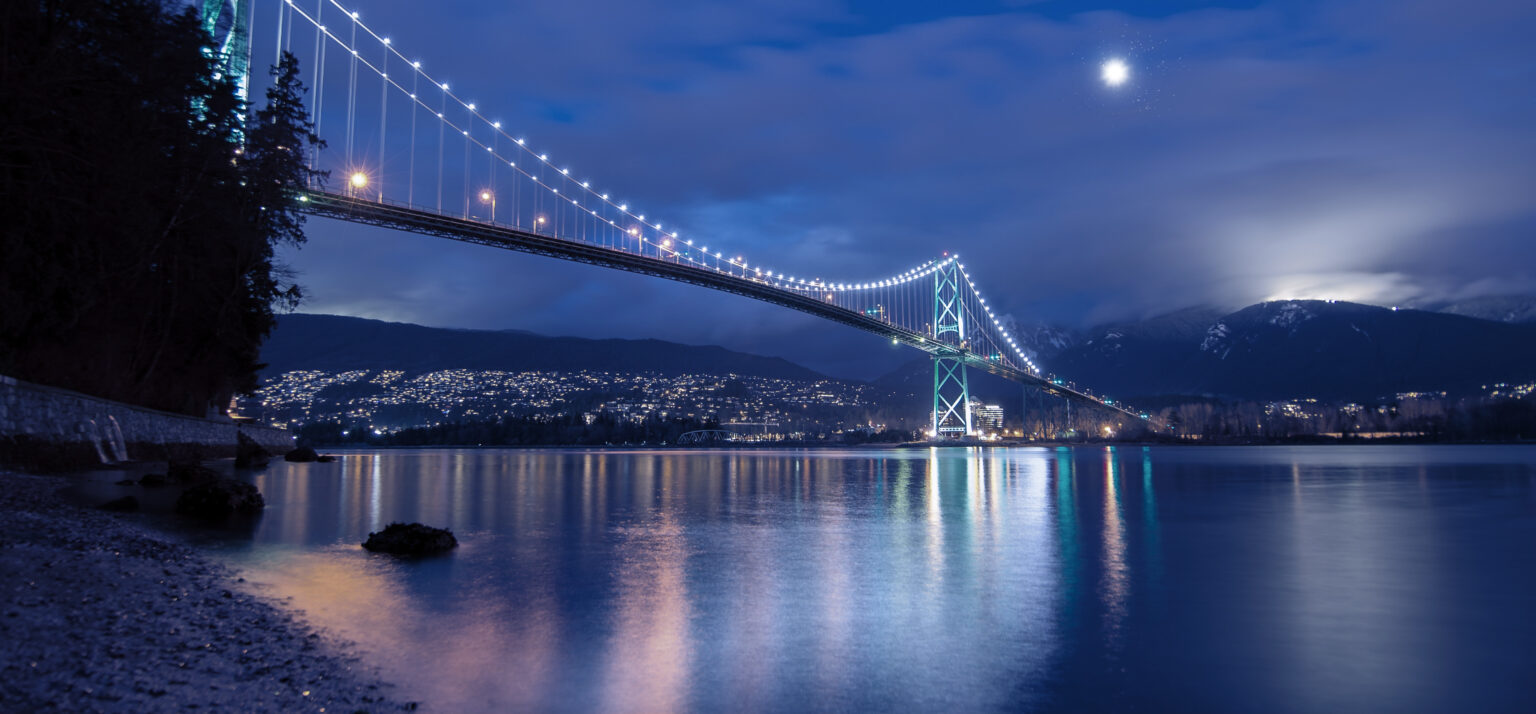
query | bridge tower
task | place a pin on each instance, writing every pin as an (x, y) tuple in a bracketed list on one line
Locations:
[(228, 22), (951, 388)]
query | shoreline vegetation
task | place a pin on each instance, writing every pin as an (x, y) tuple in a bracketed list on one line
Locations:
[(101, 614)]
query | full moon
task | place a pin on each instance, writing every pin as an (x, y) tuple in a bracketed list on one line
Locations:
[(1114, 72)]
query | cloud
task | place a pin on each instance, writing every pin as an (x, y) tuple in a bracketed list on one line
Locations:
[(1360, 147)]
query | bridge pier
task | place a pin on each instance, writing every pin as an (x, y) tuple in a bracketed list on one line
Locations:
[(951, 399)]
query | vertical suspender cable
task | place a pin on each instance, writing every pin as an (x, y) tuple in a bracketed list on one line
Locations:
[(383, 114), (351, 92), (410, 189)]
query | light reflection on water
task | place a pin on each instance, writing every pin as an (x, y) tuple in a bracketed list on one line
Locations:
[(1380, 578)]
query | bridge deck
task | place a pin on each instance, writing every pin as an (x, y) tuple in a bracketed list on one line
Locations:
[(415, 220)]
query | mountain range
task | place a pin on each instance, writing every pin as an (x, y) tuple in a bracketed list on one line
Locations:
[(1274, 350), (335, 343), (1302, 348)]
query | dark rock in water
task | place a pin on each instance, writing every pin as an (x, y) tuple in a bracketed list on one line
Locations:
[(126, 503), (153, 480), (189, 472), (411, 539), (249, 454), (325, 458), (125, 482), (301, 455), (220, 499)]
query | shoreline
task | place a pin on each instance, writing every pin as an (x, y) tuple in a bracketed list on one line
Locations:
[(99, 614)]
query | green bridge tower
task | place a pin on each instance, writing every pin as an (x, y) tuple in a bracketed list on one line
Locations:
[(951, 388)]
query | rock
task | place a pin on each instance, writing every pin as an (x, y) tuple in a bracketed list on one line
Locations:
[(126, 503), (189, 472), (249, 454), (301, 455), (411, 539), (325, 459), (220, 499), (153, 480)]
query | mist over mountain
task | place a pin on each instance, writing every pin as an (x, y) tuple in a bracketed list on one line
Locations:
[(335, 343), (1518, 309)]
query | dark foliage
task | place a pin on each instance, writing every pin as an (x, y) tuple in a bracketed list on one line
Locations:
[(137, 259)]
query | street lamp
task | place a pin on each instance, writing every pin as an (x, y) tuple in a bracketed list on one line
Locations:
[(486, 196), (358, 180), (538, 223)]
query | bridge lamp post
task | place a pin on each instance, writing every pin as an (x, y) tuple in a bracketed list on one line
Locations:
[(358, 181), (486, 196), (538, 224)]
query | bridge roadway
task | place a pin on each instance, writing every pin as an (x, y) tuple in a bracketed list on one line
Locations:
[(414, 220)]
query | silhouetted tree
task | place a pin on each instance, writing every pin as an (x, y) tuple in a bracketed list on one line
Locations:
[(141, 215)]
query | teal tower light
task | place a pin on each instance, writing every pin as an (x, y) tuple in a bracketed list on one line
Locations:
[(951, 388), (228, 22)]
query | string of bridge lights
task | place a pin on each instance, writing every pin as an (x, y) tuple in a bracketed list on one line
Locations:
[(1018, 350), (668, 240)]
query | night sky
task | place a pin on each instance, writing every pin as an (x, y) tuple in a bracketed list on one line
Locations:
[(1379, 151)]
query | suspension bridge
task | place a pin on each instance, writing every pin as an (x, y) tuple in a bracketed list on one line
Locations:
[(413, 155)]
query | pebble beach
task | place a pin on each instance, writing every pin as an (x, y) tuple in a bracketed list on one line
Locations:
[(100, 614)]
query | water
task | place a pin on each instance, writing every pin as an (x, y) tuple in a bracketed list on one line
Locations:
[(1387, 578)]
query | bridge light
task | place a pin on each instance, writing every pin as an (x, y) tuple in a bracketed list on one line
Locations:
[(540, 220), (445, 88), (604, 197), (519, 141), (416, 64), (585, 184), (623, 206), (471, 106), (544, 157), (354, 14), (496, 124), (565, 172), (386, 40), (358, 179), (689, 241)]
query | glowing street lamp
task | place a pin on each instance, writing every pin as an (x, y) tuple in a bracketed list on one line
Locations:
[(486, 196), (358, 181), (538, 223)]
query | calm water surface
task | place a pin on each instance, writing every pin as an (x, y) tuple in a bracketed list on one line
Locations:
[(1387, 578)]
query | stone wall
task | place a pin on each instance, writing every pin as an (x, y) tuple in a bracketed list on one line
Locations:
[(46, 428)]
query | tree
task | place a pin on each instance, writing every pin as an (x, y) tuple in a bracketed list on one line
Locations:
[(137, 263)]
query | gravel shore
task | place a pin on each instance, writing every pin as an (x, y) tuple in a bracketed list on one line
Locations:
[(100, 615)]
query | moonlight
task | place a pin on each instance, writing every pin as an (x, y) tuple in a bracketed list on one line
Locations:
[(1115, 72)]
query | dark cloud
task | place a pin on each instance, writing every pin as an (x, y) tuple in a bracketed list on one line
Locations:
[(1379, 151)]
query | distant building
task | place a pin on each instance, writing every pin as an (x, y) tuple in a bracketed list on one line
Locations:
[(986, 416)]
